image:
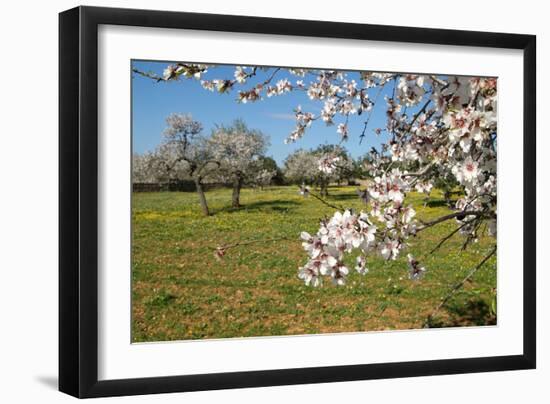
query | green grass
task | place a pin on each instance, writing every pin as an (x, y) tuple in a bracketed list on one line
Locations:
[(181, 291)]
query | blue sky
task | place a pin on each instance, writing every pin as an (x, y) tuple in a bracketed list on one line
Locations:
[(153, 102)]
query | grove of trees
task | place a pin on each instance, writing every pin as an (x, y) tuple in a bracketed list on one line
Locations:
[(320, 167), (232, 154)]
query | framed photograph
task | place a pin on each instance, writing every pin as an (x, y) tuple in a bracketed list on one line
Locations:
[(251, 201)]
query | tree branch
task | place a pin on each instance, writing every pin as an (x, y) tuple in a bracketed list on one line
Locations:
[(451, 234), (459, 285), (217, 163), (148, 75), (452, 216), (366, 123)]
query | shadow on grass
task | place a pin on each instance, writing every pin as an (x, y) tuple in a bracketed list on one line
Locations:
[(342, 197), (436, 203), (474, 312), (276, 205)]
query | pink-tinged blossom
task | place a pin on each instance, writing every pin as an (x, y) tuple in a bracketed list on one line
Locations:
[(328, 164), (416, 271), (310, 276), (361, 265), (424, 187), (240, 75), (467, 171), (328, 112), (342, 233), (339, 274), (410, 89), (343, 131), (389, 249), (169, 72)]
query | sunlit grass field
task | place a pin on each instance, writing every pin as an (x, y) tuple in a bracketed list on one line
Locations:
[(180, 290)]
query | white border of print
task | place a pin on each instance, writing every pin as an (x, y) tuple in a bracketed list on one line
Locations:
[(119, 359)]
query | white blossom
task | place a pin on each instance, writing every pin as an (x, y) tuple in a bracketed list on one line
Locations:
[(416, 271)]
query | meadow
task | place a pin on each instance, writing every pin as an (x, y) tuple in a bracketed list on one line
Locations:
[(180, 290)]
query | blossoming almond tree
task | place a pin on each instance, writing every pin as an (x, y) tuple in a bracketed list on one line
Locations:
[(321, 166), (239, 149), (144, 168), (301, 167), (263, 177), (437, 126), (185, 153)]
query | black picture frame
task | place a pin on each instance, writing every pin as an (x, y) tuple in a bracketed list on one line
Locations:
[(78, 201)]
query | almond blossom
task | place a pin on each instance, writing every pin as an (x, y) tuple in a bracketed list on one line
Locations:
[(342, 233)]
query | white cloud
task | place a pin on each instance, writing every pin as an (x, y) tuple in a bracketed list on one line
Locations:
[(283, 116)]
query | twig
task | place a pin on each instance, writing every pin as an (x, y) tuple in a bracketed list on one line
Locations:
[(390, 165), (420, 112), (366, 123), (421, 172), (451, 216), (242, 243), (459, 285), (449, 236), (423, 109), (326, 202), (268, 80), (471, 236), (148, 75)]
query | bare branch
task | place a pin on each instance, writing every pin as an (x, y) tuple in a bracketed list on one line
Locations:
[(148, 75)]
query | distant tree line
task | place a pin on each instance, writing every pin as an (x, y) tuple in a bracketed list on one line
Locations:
[(234, 155)]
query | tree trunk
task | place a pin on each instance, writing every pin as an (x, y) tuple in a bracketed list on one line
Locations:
[(202, 197), (447, 196), (324, 189), (237, 185)]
